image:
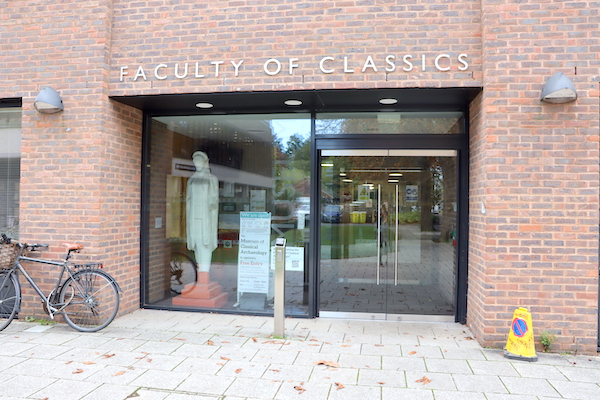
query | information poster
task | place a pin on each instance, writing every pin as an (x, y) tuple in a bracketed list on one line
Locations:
[(258, 200), (412, 193), (364, 193), (254, 252), (294, 258)]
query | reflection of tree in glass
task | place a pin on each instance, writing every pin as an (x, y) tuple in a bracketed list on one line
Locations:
[(298, 151), (389, 123)]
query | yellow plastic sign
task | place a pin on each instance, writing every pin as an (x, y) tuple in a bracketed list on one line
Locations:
[(521, 343)]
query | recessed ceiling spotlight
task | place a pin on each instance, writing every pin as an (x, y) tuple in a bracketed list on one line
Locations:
[(293, 102), (204, 105), (388, 101)]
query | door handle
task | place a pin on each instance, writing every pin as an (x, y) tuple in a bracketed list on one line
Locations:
[(378, 231), (396, 236)]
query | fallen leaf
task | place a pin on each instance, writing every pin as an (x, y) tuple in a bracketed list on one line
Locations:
[(220, 364), (237, 371), (119, 373), (225, 358), (314, 344), (179, 338), (108, 355), (78, 371), (254, 340), (148, 359), (88, 363), (276, 370), (378, 345), (210, 343), (225, 341), (346, 345), (425, 380), (327, 363), (339, 385), (381, 383), (300, 389), (469, 338), (68, 362), (412, 352)]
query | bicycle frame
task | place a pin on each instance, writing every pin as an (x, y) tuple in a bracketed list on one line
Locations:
[(50, 307)]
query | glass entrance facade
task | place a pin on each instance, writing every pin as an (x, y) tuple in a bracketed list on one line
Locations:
[(220, 190), (388, 232), (370, 230)]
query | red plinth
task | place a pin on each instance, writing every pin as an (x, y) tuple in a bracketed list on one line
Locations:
[(202, 293)]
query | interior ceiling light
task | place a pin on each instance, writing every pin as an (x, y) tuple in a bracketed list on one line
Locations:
[(395, 174), (293, 102), (204, 105), (347, 180), (388, 101), (393, 181), (558, 89), (327, 165)]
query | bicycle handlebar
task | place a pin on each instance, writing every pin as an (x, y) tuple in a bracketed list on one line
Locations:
[(30, 247)]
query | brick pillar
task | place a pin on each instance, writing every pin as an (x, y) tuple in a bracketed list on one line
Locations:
[(534, 175), (80, 169)]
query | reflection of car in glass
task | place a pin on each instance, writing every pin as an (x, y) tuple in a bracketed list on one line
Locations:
[(332, 213)]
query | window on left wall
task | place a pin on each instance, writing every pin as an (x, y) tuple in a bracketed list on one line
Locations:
[(10, 169)]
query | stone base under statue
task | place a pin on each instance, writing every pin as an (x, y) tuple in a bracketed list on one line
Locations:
[(202, 293)]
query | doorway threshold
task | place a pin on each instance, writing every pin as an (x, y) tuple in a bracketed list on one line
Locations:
[(387, 317)]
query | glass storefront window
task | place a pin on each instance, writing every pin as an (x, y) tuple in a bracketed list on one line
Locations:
[(221, 189), (10, 170), (390, 123)]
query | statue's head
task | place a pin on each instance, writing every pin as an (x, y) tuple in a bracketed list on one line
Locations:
[(200, 160)]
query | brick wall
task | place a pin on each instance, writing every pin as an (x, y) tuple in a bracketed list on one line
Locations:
[(534, 167), (149, 34), (80, 169)]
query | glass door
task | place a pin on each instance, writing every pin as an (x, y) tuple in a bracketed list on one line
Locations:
[(388, 233)]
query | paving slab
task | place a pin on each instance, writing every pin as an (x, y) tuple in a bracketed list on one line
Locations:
[(158, 355)]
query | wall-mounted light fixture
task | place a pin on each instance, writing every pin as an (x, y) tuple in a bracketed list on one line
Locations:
[(558, 89), (48, 101)]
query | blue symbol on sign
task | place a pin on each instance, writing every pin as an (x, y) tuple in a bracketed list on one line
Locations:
[(519, 327)]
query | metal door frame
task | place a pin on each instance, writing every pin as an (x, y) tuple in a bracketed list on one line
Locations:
[(414, 144)]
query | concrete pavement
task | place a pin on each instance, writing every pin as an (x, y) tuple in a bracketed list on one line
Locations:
[(151, 354)]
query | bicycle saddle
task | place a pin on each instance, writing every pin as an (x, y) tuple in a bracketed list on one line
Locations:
[(73, 246)]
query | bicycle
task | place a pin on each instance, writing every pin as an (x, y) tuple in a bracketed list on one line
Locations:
[(88, 298), (183, 272)]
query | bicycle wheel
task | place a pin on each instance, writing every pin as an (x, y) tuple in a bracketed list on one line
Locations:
[(10, 297), (92, 299), (183, 272)]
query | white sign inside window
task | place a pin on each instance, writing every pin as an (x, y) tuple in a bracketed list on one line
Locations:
[(254, 252)]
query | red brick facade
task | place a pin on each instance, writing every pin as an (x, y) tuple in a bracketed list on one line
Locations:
[(533, 166)]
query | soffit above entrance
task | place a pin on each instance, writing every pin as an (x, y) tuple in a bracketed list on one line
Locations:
[(317, 100)]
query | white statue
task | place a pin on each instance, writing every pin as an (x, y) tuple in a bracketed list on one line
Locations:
[(202, 212)]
